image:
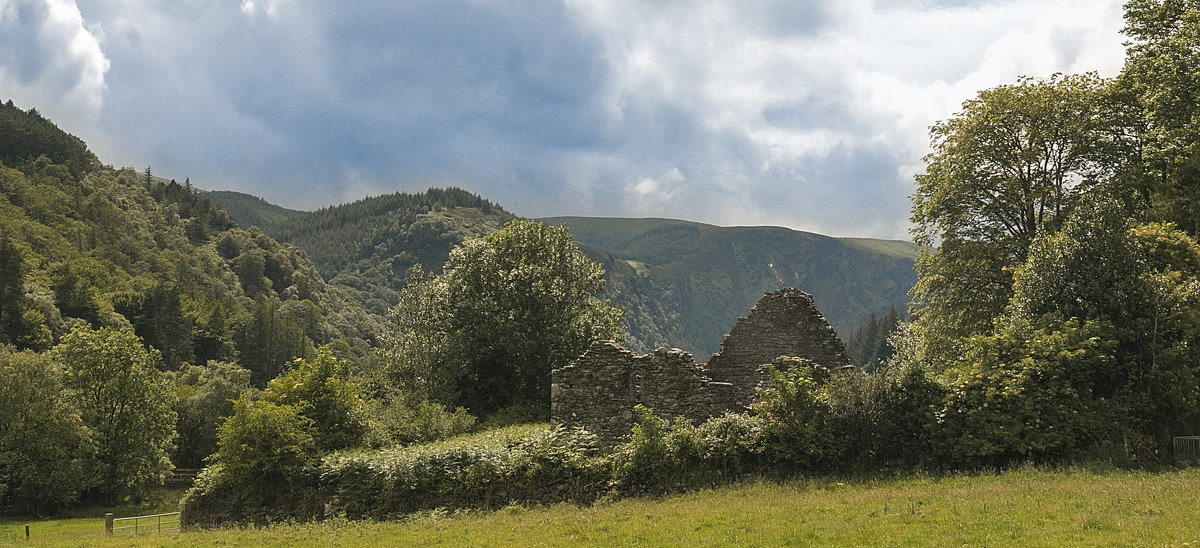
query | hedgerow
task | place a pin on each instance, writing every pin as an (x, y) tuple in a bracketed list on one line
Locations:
[(522, 464)]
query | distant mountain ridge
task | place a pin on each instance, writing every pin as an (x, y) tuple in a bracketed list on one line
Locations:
[(684, 284)]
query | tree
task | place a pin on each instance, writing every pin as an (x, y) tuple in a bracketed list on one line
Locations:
[(868, 345), (1142, 280), (1160, 75), (12, 290), (267, 340), (124, 400), (322, 390), (1009, 164), (507, 309), (162, 323), (204, 396), (44, 446)]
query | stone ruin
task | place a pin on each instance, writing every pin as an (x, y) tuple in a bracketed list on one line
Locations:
[(599, 390)]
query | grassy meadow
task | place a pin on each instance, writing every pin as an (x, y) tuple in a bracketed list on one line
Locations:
[(1075, 507)]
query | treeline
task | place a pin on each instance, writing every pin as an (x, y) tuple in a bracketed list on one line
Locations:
[(338, 236)]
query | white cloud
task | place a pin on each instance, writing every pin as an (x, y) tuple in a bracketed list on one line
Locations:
[(51, 58), (812, 114)]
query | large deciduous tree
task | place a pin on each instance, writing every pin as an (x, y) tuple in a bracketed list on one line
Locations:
[(1009, 164), (44, 446), (507, 309), (124, 400)]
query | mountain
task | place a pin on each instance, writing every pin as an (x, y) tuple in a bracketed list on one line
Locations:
[(367, 247), (247, 210), (82, 242), (684, 284)]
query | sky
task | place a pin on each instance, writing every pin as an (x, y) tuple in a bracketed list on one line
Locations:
[(809, 114)]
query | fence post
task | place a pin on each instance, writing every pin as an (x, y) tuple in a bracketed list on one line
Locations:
[(108, 523)]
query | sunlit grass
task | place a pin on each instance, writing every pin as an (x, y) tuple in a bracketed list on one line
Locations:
[(1021, 508)]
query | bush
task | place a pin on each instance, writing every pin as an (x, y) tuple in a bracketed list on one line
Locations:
[(1027, 394), (262, 470), (525, 464), (321, 389), (799, 428), (885, 420), (661, 460), (399, 424)]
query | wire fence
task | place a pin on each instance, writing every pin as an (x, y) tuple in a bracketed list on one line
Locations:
[(152, 523)]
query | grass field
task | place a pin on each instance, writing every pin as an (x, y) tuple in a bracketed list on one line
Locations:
[(1021, 508)]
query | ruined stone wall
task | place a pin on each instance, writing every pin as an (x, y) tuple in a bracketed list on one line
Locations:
[(782, 323), (599, 390)]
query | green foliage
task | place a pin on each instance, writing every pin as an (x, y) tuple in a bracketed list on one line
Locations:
[(530, 464), (402, 423), (1144, 283), (799, 425), (267, 341), (264, 445), (507, 309), (27, 135), (247, 210), (868, 345), (1010, 164), (322, 390), (45, 448), (1029, 392), (115, 248), (658, 459), (203, 398), (124, 400), (1160, 80), (262, 470), (884, 421)]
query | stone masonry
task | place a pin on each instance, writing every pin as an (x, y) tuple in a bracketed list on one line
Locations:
[(783, 323), (599, 390)]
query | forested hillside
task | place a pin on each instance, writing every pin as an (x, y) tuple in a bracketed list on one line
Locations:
[(368, 246), (117, 247), (685, 284), (247, 210), (681, 284)]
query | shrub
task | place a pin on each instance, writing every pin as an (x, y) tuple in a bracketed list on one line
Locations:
[(798, 420), (659, 460), (321, 389), (885, 420), (262, 470), (398, 423), (523, 464)]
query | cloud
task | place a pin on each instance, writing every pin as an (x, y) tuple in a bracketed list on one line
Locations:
[(51, 59), (810, 114)]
